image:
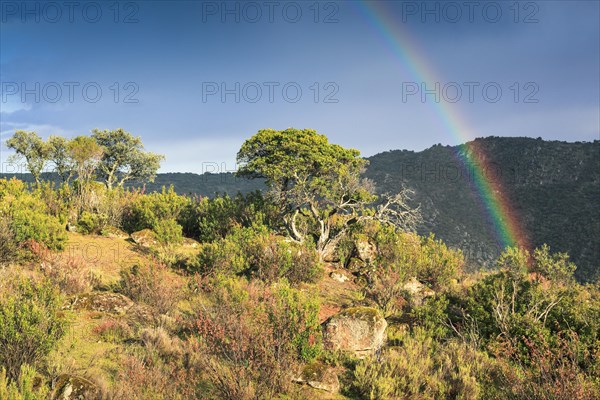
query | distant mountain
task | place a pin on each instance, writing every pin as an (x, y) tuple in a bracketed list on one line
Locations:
[(553, 189)]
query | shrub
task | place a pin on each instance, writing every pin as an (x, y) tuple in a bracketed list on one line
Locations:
[(8, 246), (24, 388), (113, 330), (427, 259), (146, 211), (168, 232), (114, 204), (67, 271), (151, 284), (255, 252), (211, 219), (251, 337), (91, 223), (432, 316), (28, 216), (34, 225), (30, 323), (422, 368), (386, 290), (142, 379)]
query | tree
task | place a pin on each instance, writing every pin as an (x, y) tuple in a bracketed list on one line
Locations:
[(60, 155), (31, 147), (86, 155), (312, 179), (124, 158)]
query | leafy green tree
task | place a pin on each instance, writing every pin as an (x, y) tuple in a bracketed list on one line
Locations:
[(124, 158), (59, 153), (31, 147), (86, 155), (317, 182)]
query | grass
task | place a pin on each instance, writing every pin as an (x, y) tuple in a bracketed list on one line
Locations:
[(105, 257)]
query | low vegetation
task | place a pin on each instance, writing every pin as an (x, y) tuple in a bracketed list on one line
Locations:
[(227, 298)]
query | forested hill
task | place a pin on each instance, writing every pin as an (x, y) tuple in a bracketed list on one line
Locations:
[(553, 188)]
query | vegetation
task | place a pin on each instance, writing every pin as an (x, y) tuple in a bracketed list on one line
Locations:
[(167, 296), (317, 184)]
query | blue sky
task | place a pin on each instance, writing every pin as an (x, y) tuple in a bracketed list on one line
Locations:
[(162, 66)]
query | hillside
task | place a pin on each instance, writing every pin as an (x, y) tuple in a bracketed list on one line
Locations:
[(554, 189), (116, 294)]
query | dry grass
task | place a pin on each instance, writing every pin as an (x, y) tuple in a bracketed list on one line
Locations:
[(104, 257)]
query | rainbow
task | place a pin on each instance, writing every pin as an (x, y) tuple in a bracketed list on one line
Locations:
[(493, 199)]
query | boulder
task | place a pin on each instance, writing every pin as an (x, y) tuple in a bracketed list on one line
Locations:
[(365, 250), (339, 276), (113, 232), (72, 387), (355, 265), (71, 228), (357, 329), (108, 302), (417, 291), (319, 376), (145, 238), (187, 242)]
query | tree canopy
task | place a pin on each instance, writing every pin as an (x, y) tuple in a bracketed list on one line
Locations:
[(124, 158), (114, 156), (31, 147), (317, 181)]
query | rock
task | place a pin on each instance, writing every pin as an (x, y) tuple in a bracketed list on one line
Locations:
[(417, 291), (365, 250), (319, 376), (71, 228), (355, 265), (72, 387), (108, 302), (357, 329), (145, 238), (142, 314), (113, 232), (339, 276), (187, 242)]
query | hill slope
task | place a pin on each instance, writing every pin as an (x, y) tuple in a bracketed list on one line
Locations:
[(553, 188)]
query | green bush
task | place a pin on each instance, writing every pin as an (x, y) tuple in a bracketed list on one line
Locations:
[(251, 337), (91, 223), (427, 259), (146, 211), (151, 284), (30, 323), (24, 388), (256, 252), (29, 217), (8, 245), (168, 232), (208, 220), (42, 228), (423, 368)]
